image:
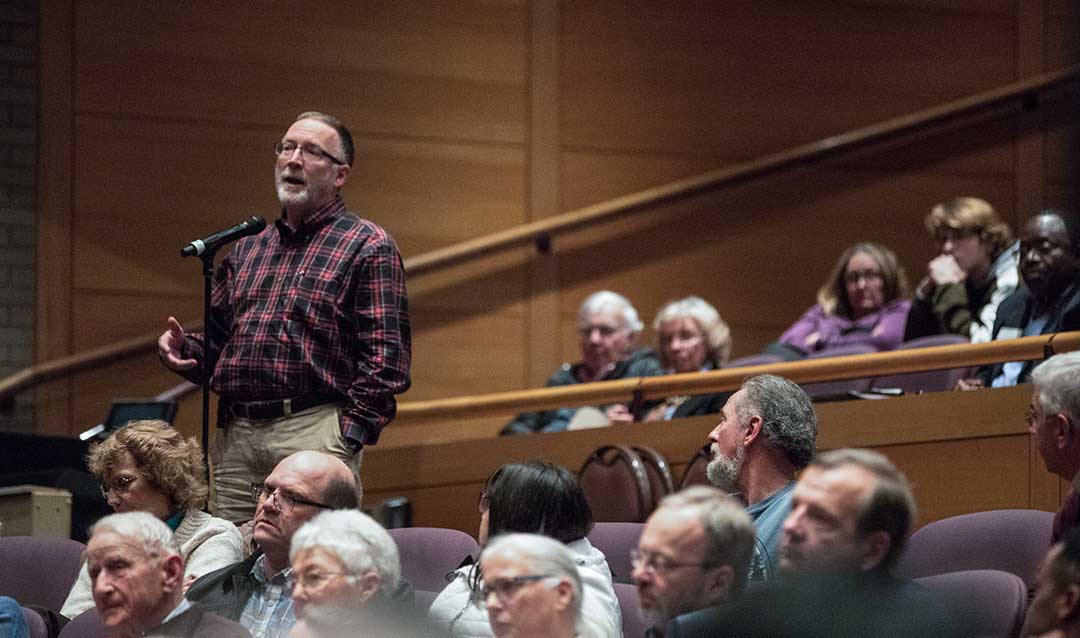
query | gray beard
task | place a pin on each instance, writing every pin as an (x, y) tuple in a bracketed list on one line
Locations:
[(653, 616), (723, 472), (289, 199)]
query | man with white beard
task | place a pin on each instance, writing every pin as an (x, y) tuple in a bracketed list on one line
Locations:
[(767, 433)]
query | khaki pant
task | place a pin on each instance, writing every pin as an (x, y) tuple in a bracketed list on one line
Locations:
[(246, 451)]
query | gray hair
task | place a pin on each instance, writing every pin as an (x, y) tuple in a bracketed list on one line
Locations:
[(789, 422), (729, 532), (360, 543), (605, 300), (716, 331), (149, 531), (1057, 382), (543, 554), (890, 506)]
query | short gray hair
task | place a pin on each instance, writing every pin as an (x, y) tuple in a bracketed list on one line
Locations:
[(1057, 381), (789, 422), (606, 300), (149, 531), (543, 554), (729, 532), (360, 543), (716, 331)]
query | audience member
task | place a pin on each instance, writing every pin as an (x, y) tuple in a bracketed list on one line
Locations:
[(1054, 423), (532, 587), (345, 559), (1054, 612), (693, 338), (693, 555), (149, 466), (256, 591), (12, 622), (335, 622), (767, 433), (975, 272), (609, 329), (532, 498), (137, 574), (863, 302), (1048, 302)]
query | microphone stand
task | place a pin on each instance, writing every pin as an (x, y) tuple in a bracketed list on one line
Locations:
[(207, 259)]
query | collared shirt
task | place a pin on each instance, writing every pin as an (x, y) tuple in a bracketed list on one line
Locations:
[(269, 611), (320, 310), (181, 608)]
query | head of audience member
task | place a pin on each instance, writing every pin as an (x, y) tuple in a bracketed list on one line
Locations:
[(767, 432), (313, 162), (1050, 254), (534, 498), (694, 553), (865, 278), (531, 587), (301, 486), (342, 559), (1054, 414), (1056, 605), (691, 334), (851, 510), (970, 231), (136, 572), (149, 466), (609, 329)]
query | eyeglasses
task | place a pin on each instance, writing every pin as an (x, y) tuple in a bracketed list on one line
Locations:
[(853, 276), (281, 497), (660, 564), (121, 484), (309, 152), (505, 588), (314, 580)]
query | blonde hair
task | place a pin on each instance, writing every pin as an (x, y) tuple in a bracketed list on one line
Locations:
[(832, 296), (972, 215), (172, 463), (716, 331)]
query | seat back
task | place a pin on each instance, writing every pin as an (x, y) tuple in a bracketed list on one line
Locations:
[(633, 625), (661, 482), (928, 380), (695, 474), (616, 540), (1012, 541), (754, 360), (824, 390), (35, 623), (428, 554), (85, 625), (616, 485), (53, 563), (988, 603)]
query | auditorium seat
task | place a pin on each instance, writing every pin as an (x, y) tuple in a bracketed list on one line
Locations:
[(35, 623), (927, 380), (826, 390), (54, 563), (616, 540), (428, 554), (695, 474), (989, 603), (633, 625), (754, 360), (85, 625), (616, 485), (661, 482)]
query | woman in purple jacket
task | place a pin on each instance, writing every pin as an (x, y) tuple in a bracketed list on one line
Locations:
[(863, 302)]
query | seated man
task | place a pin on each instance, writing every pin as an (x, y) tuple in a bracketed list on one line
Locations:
[(12, 622), (137, 576), (609, 328), (256, 591), (1055, 610), (694, 554), (1054, 423), (1048, 302)]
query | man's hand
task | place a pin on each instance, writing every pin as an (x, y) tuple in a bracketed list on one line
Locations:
[(943, 269), (170, 344), (973, 383), (619, 413)]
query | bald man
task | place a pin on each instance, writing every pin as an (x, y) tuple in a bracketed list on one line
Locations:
[(255, 592)]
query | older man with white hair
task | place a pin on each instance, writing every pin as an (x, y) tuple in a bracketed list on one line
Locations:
[(1054, 423), (137, 575)]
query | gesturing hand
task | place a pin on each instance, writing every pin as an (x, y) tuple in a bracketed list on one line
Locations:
[(170, 344)]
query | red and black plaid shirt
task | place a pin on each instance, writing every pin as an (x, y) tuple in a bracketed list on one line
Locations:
[(322, 310)]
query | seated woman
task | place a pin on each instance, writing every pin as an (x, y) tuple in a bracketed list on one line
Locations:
[(149, 466), (693, 338), (535, 498), (533, 587), (977, 269), (861, 303)]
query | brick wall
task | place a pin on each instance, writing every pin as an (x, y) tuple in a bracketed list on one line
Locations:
[(18, 155)]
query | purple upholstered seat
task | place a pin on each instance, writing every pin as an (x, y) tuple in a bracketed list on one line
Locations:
[(929, 380), (616, 540), (633, 625), (53, 563), (989, 603), (85, 625), (837, 389), (1013, 541), (428, 554), (753, 360), (36, 624)]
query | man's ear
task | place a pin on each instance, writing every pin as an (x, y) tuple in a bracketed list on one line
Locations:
[(564, 593), (719, 583), (342, 175), (173, 567), (1063, 430), (1066, 604), (752, 429), (873, 549)]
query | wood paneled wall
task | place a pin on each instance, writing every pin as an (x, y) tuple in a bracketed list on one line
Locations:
[(473, 116)]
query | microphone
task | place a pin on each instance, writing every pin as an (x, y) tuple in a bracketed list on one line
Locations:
[(250, 226)]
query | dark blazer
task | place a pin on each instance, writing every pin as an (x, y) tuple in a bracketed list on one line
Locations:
[(199, 622), (1015, 312), (699, 404)]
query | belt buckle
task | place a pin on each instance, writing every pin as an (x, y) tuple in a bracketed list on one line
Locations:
[(287, 408)]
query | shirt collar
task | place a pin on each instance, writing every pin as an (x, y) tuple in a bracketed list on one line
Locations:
[(181, 608), (314, 220), (259, 574)]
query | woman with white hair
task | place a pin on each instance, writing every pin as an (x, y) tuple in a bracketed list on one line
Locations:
[(344, 558), (532, 587)]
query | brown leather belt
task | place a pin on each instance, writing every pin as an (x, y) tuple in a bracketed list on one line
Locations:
[(263, 410)]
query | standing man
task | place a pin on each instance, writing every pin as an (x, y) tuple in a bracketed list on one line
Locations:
[(767, 433), (309, 334)]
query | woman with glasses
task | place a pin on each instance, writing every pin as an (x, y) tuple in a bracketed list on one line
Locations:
[(532, 498), (863, 302), (532, 587), (148, 466)]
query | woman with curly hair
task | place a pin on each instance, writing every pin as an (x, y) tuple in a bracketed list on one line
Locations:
[(148, 466)]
